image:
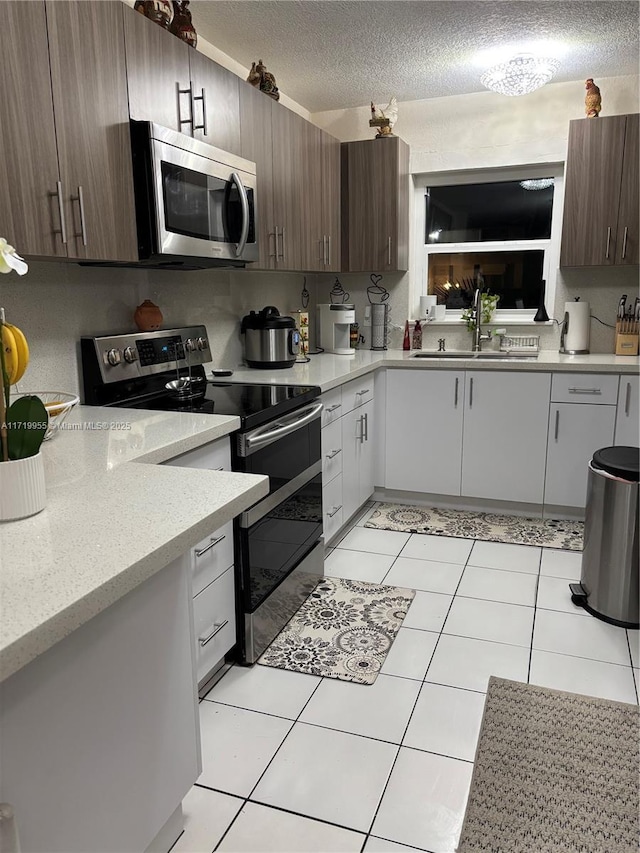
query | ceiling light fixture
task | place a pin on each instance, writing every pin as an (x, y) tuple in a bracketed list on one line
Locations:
[(536, 183), (523, 74)]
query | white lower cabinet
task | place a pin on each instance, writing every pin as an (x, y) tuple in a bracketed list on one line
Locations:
[(576, 431), (627, 418), (214, 618), (505, 435), (358, 459), (332, 507), (424, 412)]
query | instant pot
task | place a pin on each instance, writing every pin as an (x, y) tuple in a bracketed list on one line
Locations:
[(270, 340)]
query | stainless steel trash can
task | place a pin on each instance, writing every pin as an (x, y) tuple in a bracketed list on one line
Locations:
[(608, 585)]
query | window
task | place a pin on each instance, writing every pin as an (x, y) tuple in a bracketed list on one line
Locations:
[(494, 229)]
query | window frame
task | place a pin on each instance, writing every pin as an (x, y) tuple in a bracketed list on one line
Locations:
[(550, 246)]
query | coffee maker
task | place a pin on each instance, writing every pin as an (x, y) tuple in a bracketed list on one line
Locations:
[(334, 327)]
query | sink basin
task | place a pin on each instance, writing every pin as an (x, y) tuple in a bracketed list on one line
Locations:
[(476, 356)]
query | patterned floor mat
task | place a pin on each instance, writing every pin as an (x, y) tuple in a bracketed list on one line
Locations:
[(343, 630), (490, 527)]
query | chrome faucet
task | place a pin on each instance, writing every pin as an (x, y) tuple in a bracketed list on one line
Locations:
[(478, 335)]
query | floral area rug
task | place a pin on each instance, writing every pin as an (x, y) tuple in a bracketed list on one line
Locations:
[(343, 630), (490, 527)]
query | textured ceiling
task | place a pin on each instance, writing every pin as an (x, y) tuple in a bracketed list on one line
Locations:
[(329, 54)]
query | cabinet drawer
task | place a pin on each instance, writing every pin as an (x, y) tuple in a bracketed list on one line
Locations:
[(214, 620), (212, 557), (332, 507), (216, 456), (332, 402), (584, 388), (331, 451), (357, 393)]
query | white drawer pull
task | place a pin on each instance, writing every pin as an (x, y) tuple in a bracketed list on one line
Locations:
[(334, 453), (211, 545), (585, 391), (335, 510), (362, 393), (216, 628), (335, 406)]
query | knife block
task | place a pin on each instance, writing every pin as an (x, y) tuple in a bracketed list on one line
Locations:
[(627, 337)]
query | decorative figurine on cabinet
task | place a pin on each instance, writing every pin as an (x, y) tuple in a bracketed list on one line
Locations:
[(263, 80), (182, 25), (592, 100), (384, 119), (158, 11)]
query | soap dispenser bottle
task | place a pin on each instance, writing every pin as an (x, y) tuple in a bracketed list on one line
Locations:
[(417, 335)]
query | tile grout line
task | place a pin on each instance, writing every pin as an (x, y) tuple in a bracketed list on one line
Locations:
[(533, 624)]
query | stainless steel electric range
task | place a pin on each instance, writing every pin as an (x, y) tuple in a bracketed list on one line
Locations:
[(279, 550)]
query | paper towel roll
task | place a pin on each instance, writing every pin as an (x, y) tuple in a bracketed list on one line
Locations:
[(577, 324)]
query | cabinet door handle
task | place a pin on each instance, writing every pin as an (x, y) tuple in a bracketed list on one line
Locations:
[(183, 121), (363, 392), (335, 509), (366, 426), (83, 225), (389, 250), (557, 429), (471, 393), (322, 252), (201, 97), (627, 400), (216, 628), (361, 434), (274, 234), (211, 545), (329, 250), (455, 396), (585, 391), (608, 242), (624, 242), (333, 408), (63, 221), (334, 453), (283, 245)]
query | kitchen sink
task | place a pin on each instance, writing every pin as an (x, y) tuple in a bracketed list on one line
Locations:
[(476, 356)]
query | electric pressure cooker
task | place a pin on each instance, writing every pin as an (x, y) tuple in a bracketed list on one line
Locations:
[(270, 340)]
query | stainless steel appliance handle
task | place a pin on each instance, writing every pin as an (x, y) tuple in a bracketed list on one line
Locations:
[(83, 225), (335, 509), (265, 435), (585, 391), (624, 242), (627, 400), (268, 504), (455, 396), (244, 201), (63, 221), (333, 453), (557, 424), (608, 242), (211, 545), (216, 630)]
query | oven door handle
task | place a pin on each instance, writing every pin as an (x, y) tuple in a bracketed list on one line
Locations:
[(284, 427), (244, 201), (268, 504)]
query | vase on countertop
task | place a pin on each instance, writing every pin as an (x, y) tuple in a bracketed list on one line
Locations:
[(148, 317), (22, 488)]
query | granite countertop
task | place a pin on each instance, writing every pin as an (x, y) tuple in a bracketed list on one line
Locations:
[(112, 520), (329, 371)]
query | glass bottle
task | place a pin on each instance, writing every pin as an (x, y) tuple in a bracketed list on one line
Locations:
[(406, 343), (417, 335)]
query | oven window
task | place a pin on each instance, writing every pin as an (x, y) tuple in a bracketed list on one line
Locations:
[(201, 206), (275, 545)]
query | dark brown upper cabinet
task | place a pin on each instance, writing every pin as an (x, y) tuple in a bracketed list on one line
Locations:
[(256, 146), (375, 205), (600, 222), (178, 87), (322, 168), (65, 141)]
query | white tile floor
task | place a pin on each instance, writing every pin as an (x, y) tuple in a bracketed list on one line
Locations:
[(296, 763)]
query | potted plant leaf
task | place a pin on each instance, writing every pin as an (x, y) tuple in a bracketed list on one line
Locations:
[(23, 424)]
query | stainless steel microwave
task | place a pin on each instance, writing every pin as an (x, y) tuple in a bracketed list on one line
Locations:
[(195, 204)]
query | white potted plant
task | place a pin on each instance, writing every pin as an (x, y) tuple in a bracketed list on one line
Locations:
[(23, 424)]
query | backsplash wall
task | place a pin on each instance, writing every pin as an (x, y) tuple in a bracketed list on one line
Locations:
[(56, 303)]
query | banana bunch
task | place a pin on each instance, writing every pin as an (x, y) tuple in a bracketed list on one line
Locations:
[(16, 352)]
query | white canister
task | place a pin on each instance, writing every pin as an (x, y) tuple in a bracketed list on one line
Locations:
[(574, 339), (427, 307)]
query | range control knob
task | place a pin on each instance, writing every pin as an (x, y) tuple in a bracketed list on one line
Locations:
[(130, 355), (202, 343), (114, 357), (190, 345)]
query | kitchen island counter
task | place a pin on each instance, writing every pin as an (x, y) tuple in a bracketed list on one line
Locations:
[(112, 520)]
